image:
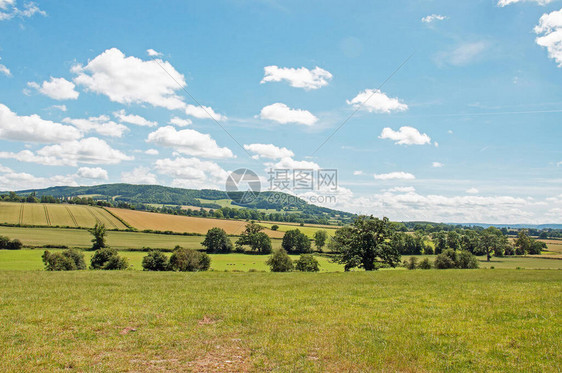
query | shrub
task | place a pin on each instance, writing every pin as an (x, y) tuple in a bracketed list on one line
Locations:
[(4, 242), (466, 260), (280, 261), (307, 263), (274, 227), (412, 262), (14, 245), (294, 241), (425, 264), (217, 241), (107, 258), (187, 260), (155, 261), (447, 259), (320, 238), (68, 260)]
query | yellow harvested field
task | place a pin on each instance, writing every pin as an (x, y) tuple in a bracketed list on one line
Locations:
[(182, 224), (62, 215)]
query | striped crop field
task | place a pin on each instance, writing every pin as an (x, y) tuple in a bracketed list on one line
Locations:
[(142, 220), (61, 215)]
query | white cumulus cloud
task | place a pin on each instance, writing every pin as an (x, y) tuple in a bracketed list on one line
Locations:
[(189, 142), (283, 114), (33, 129), (203, 112), (57, 89), (151, 152), (128, 80), (472, 191), (550, 31), (437, 164), (96, 173), (357, 173), (502, 3), (139, 175), (432, 18), (101, 124), (405, 136), (4, 70), (192, 172), (373, 100), (297, 77), (122, 116), (153, 53), (397, 175), (180, 122), (269, 151)]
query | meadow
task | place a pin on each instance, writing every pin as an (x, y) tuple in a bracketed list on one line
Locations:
[(450, 320)]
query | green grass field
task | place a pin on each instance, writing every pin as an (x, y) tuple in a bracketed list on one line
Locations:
[(453, 320)]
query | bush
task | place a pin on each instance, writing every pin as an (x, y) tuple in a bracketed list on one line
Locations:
[(68, 260), (307, 263), (451, 259), (155, 261), (274, 227), (187, 260), (466, 260), (14, 245), (109, 259), (280, 261), (411, 263), (217, 241), (425, 264), (4, 242), (447, 259), (296, 242)]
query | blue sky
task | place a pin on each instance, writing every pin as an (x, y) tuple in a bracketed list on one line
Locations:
[(467, 130)]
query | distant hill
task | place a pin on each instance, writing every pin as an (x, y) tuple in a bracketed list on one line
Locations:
[(157, 194), (517, 226)]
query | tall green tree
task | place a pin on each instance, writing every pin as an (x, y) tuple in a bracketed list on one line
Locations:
[(99, 233), (217, 241), (296, 242), (365, 244), (320, 238)]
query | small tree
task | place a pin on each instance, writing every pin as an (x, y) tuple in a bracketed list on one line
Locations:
[(296, 242), (425, 264), (14, 245), (187, 260), (98, 232), (274, 227), (412, 262), (280, 261), (217, 241), (155, 261), (253, 237), (320, 237), (522, 243), (307, 263), (446, 260), (4, 242), (108, 259)]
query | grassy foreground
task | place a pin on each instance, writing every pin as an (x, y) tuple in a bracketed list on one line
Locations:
[(460, 320)]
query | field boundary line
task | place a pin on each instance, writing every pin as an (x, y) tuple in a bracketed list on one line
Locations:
[(21, 214), (47, 215), (119, 218), (96, 211), (71, 216)]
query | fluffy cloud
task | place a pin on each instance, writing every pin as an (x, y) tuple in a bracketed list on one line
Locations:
[(57, 89), (192, 172), (550, 27), (139, 175), (101, 125), (122, 116), (298, 78), (203, 112), (96, 173), (89, 151), (33, 129), (129, 80), (433, 18), (4, 70), (281, 113), (405, 136), (151, 152), (153, 53), (23, 180), (60, 107), (437, 164), (472, 191), (189, 142), (288, 163), (180, 122), (502, 3), (357, 173), (373, 100), (9, 10), (398, 175), (268, 151)]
